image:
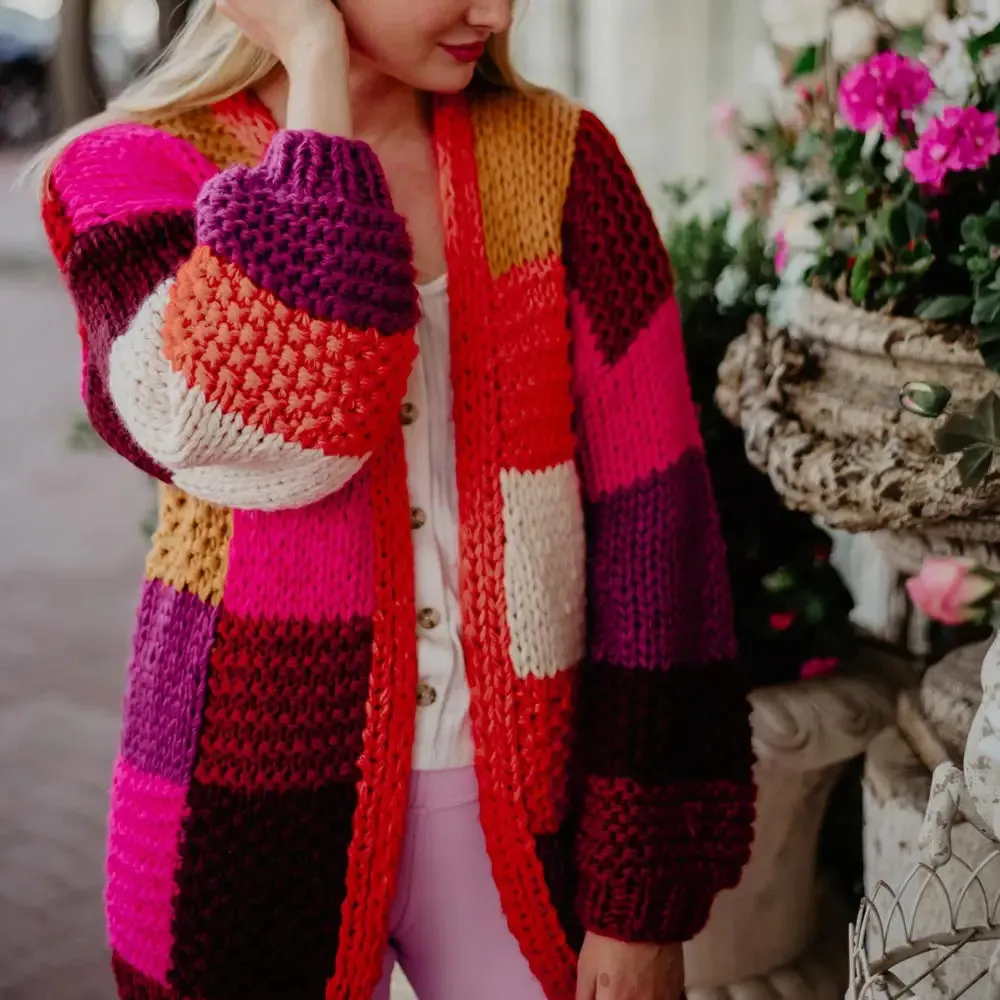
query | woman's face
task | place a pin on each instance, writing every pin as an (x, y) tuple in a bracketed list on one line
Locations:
[(431, 45)]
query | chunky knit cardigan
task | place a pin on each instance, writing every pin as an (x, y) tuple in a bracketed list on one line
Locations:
[(247, 310)]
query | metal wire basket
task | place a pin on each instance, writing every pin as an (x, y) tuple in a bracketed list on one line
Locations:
[(896, 949)]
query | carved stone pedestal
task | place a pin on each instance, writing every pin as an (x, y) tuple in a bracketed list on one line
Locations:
[(772, 937), (896, 787)]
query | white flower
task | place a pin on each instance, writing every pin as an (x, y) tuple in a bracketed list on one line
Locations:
[(905, 14), (853, 35), (781, 103), (796, 24), (731, 285), (951, 66), (981, 15)]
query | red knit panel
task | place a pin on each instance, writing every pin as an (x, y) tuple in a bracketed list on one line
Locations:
[(518, 872), (543, 710), (377, 841), (642, 877), (532, 367), (286, 703), (57, 225), (613, 250)]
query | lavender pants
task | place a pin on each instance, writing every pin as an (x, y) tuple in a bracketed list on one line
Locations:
[(448, 930)]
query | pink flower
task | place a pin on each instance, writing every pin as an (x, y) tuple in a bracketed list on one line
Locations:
[(725, 118), (753, 175), (781, 253), (959, 139), (884, 91), (947, 588), (782, 621), (818, 667)]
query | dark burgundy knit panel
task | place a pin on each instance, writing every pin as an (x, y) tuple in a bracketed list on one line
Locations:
[(261, 883), (613, 250)]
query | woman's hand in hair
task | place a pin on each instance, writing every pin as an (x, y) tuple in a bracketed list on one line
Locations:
[(310, 40)]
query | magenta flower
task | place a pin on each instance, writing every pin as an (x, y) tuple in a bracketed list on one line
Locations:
[(960, 139), (820, 666), (884, 91), (781, 252)]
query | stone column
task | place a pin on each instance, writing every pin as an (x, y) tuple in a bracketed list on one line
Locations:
[(545, 44)]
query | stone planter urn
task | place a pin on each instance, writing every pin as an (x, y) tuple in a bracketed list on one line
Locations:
[(818, 406)]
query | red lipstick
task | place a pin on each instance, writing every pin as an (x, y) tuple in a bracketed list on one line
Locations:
[(466, 53)]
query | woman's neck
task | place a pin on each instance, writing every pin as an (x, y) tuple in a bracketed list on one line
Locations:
[(380, 106)]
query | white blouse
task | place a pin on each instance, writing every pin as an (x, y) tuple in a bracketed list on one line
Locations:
[(443, 731)]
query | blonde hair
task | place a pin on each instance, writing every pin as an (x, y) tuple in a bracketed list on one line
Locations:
[(209, 60)]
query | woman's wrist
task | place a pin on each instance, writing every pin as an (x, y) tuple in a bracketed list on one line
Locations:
[(318, 95)]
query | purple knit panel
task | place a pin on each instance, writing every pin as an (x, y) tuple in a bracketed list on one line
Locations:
[(658, 590), (167, 682), (314, 225)]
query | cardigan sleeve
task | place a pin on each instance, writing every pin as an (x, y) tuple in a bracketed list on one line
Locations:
[(247, 333), (665, 744)]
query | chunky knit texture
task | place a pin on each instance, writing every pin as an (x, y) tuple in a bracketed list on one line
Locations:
[(247, 308)]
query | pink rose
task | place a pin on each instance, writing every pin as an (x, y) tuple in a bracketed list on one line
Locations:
[(959, 139), (725, 118), (948, 588), (818, 667), (883, 92)]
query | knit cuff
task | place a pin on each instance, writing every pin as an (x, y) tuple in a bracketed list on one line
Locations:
[(652, 859), (317, 165), (314, 225), (645, 911)]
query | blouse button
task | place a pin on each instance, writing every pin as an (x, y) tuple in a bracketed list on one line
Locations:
[(417, 518), (426, 695), (429, 618), (407, 414)]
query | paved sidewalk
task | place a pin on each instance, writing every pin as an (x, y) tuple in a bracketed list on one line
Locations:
[(23, 246), (70, 562)]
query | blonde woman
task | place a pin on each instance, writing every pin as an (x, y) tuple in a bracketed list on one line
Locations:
[(433, 661)]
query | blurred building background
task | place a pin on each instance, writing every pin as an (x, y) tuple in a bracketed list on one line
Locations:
[(72, 547)]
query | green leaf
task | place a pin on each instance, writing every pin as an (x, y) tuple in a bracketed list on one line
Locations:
[(778, 581), (975, 464), (916, 220), (807, 62), (911, 41), (845, 154), (959, 432), (974, 232), (987, 415), (897, 225), (861, 276), (924, 399), (944, 307), (977, 46), (987, 309)]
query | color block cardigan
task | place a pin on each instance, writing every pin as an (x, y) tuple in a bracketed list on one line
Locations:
[(247, 309)]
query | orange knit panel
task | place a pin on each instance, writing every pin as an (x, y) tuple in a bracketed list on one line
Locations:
[(524, 178)]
